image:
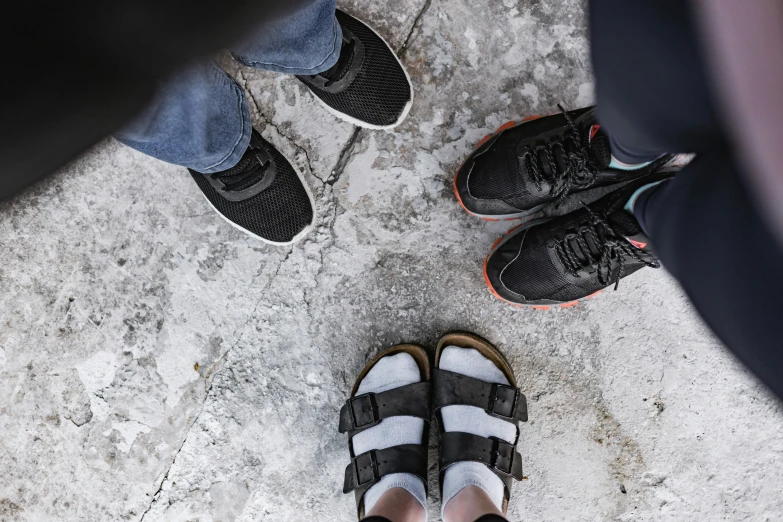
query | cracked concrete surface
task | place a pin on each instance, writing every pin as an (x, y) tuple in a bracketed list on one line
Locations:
[(157, 364)]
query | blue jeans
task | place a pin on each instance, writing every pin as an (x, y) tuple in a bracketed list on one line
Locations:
[(200, 118)]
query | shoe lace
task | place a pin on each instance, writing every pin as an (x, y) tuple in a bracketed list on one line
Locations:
[(340, 69), (579, 169), (607, 245), (249, 171)]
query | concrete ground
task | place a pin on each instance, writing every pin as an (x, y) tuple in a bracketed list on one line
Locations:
[(158, 365)]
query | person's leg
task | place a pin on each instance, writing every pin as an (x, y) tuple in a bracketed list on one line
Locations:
[(654, 96), (201, 121), (396, 505), (651, 83), (346, 65), (486, 518), (479, 408), (471, 504), (306, 42), (200, 118), (710, 235), (652, 100), (386, 418)]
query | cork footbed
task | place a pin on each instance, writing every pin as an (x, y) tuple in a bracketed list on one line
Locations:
[(422, 360), (414, 350), (485, 348)]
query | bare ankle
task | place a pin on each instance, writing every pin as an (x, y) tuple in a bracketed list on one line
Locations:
[(468, 505), (398, 506)]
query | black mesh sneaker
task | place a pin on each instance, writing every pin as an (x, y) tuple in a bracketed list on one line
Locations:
[(524, 167), (562, 260), (368, 86), (262, 195)]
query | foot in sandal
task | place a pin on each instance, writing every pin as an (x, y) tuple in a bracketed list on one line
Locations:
[(478, 405), (387, 420)]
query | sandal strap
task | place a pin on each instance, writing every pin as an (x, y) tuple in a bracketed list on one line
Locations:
[(367, 469), (498, 400), (498, 455), (367, 410)]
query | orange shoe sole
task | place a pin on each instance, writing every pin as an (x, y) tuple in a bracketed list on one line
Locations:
[(569, 304)]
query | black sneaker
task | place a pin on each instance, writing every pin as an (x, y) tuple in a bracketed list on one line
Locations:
[(368, 86), (525, 167), (262, 195), (562, 260)]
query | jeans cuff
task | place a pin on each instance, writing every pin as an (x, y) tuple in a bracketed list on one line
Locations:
[(323, 65), (241, 145)]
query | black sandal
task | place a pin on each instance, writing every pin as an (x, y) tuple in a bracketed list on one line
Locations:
[(367, 410), (500, 401)]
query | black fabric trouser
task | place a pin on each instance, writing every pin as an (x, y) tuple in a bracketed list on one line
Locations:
[(485, 518), (654, 95)]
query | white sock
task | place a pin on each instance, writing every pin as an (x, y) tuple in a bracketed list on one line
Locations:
[(391, 372), (470, 419)]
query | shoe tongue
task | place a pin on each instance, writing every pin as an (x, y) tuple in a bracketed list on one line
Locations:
[(241, 166), (343, 64), (626, 225), (599, 149), (246, 173)]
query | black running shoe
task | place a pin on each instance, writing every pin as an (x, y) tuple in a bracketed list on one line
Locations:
[(562, 260), (525, 167), (262, 195), (368, 86)]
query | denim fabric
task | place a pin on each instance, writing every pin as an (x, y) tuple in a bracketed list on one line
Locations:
[(307, 42), (200, 118)]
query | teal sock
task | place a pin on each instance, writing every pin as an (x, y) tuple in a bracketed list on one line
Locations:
[(615, 165), (635, 195)]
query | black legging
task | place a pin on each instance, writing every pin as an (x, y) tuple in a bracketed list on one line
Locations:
[(485, 518), (654, 96)]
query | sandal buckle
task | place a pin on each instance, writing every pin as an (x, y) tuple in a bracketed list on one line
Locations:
[(364, 410), (503, 401), (365, 468), (502, 456)]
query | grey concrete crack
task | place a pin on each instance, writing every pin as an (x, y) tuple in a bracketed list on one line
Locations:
[(348, 150), (269, 122), (211, 374), (345, 156), (241, 329), (416, 24)]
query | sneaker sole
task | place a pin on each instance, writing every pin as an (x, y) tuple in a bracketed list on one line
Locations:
[(504, 217), (305, 231), (364, 124), (497, 244)]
